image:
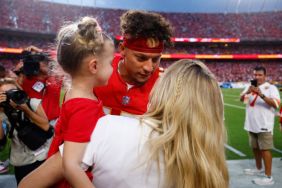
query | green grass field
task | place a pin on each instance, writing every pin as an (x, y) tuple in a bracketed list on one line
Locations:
[(234, 121)]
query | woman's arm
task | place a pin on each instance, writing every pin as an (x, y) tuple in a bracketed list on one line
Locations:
[(72, 157), (46, 175)]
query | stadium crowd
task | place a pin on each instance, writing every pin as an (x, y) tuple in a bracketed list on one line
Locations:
[(239, 71), (44, 17)]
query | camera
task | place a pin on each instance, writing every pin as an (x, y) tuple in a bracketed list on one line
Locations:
[(254, 82), (17, 96), (31, 60)]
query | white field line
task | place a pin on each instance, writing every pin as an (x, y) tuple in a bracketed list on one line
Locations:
[(235, 106), (235, 151), (228, 95), (229, 147), (277, 150)]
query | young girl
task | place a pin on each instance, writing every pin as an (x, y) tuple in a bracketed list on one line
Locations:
[(85, 53), (177, 143)]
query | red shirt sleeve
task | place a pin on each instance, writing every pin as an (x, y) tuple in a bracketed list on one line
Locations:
[(82, 116)]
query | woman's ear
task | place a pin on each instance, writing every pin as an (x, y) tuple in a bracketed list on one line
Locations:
[(92, 65)]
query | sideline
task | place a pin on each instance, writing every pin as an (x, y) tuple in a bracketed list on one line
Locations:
[(235, 150), (277, 150), (228, 95), (235, 106)]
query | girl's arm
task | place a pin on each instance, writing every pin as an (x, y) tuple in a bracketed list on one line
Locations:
[(46, 175), (72, 157)]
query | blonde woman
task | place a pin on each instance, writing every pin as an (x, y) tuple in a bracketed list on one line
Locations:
[(178, 143)]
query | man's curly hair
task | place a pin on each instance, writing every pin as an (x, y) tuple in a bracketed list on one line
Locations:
[(145, 24)]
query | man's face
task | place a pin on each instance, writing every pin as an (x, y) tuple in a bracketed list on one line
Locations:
[(259, 76), (43, 66), (139, 66)]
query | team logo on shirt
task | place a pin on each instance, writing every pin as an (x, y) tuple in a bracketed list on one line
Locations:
[(125, 100)]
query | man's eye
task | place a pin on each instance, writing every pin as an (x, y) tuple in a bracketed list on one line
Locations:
[(141, 58), (155, 60)]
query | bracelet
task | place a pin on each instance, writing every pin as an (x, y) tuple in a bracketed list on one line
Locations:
[(262, 96)]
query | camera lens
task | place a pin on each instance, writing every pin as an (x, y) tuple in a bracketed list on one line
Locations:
[(18, 96)]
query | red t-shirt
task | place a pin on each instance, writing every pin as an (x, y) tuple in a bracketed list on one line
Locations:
[(117, 98), (34, 87), (77, 120), (51, 98)]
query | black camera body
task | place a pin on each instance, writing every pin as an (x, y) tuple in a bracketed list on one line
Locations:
[(17, 96), (31, 60), (254, 82)]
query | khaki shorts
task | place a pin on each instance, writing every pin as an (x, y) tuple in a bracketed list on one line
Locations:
[(262, 141)]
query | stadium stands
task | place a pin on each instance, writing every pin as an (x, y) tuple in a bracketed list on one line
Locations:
[(26, 22), (44, 17), (237, 71)]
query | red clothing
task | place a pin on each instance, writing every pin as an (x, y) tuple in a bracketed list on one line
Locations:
[(51, 98), (76, 122), (33, 87), (117, 98)]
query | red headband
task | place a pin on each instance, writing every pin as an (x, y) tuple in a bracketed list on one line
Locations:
[(147, 45)]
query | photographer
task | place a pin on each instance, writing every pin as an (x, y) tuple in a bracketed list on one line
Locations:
[(28, 128), (38, 81), (262, 99), (35, 68)]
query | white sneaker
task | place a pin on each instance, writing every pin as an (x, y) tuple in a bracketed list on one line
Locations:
[(254, 171), (264, 181)]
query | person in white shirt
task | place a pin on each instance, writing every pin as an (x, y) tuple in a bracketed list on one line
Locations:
[(178, 142), (262, 99)]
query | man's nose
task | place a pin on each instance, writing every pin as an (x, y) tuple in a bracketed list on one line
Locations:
[(148, 66)]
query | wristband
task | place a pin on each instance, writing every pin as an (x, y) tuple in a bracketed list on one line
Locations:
[(262, 96)]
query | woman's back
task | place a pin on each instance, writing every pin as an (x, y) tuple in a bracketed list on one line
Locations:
[(118, 154)]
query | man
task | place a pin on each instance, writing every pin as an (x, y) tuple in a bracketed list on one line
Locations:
[(262, 99), (34, 80), (137, 67)]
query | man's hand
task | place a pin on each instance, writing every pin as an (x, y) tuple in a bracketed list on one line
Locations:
[(22, 107), (33, 49), (3, 97), (251, 89)]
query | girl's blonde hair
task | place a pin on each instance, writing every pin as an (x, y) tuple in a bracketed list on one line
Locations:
[(78, 40), (186, 114)]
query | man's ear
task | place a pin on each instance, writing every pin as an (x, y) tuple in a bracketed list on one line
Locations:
[(92, 65), (121, 48)]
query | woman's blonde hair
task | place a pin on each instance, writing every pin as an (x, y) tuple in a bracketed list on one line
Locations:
[(186, 114)]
